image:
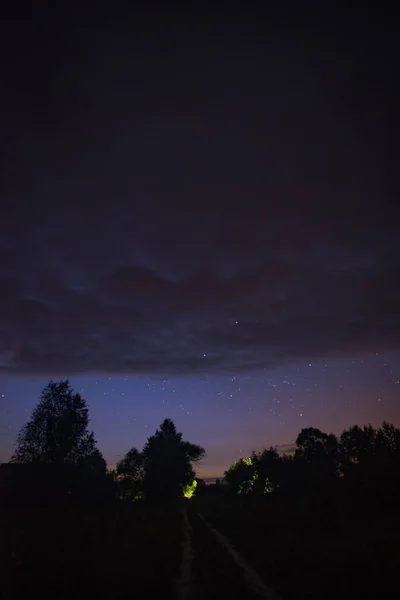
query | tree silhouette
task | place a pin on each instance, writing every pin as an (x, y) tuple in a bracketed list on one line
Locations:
[(57, 433), (370, 460), (388, 441), (257, 475), (130, 473), (163, 470), (363, 446), (357, 446), (168, 463), (318, 451), (241, 476), (328, 483), (268, 465)]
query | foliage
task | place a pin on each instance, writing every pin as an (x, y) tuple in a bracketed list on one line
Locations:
[(189, 489), (317, 454), (163, 470), (315, 446), (57, 432), (358, 445), (130, 474), (258, 474), (240, 476), (370, 460), (319, 460), (168, 463), (268, 467)]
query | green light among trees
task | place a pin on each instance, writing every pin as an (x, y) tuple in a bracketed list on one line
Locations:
[(189, 489)]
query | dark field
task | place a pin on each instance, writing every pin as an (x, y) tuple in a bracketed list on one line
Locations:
[(305, 554), (127, 550), (117, 552)]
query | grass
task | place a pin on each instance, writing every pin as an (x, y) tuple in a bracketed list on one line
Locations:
[(123, 550), (302, 555), (119, 551)]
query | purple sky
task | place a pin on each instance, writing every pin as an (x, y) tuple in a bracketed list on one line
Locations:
[(193, 212), (230, 414)]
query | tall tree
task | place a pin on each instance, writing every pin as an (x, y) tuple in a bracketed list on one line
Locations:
[(388, 440), (130, 473), (57, 432), (168, 463), (318, 450), (358, 445), (371, 455), (269, 467), (241, 476)]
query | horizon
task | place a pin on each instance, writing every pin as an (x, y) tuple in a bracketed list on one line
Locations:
[(206, 469)]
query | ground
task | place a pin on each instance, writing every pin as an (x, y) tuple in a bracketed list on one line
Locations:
[(126, 550), (302, 556)]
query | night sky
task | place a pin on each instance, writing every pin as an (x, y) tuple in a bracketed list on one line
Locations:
[(199, 219)]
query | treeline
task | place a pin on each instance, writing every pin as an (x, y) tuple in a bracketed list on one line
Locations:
[(57, 458), (57, 445), (362, 460), (326, 513), (163, 470)]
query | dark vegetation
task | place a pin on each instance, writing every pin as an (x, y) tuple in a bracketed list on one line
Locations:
[(69, 528), (163, 470), (321, 523)]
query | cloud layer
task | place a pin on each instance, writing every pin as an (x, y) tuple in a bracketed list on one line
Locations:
[(63, 310), (195, 212)]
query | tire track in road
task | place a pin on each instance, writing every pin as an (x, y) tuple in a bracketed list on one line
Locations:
[(218, 571), (184, 582), (255, 583)]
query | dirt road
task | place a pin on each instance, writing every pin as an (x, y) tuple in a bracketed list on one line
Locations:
[(213, 569)]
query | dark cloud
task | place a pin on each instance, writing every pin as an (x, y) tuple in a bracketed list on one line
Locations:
[(224, 206), (133, 319)]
